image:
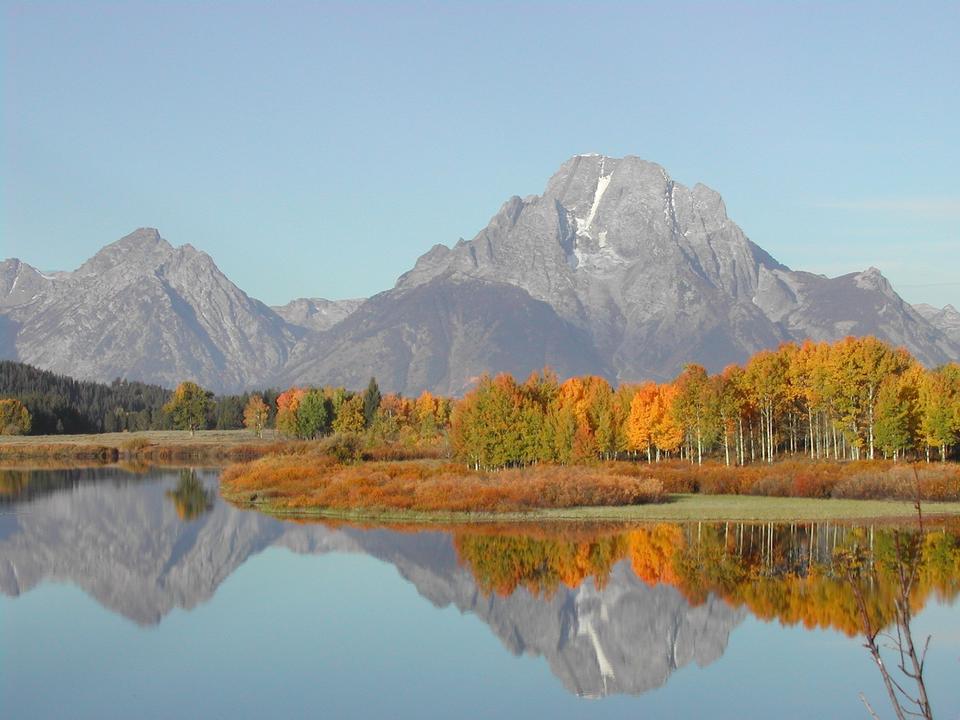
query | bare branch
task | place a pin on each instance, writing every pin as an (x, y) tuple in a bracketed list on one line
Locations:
[(863, 699)]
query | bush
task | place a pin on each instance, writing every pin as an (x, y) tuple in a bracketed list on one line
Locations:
[(134, 445), (292, 482), (342, 447), (933, 483)]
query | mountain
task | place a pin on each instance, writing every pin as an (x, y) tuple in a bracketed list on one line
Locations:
[(316, 314), (443, 335), (119, 538), (615, 270), (945, 319), (142, 309), (649, 273)]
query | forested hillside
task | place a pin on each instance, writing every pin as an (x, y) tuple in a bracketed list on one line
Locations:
[(59, 404)]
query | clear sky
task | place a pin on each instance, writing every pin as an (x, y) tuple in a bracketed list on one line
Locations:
[(317, 149)]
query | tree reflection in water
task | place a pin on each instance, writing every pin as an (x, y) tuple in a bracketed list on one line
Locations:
[(790, 573), (190, 497), (859, 580), (900, 566)]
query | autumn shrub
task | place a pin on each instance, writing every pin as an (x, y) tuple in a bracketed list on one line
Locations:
[(317, 481), (397, 451), (675, 477), (134, 445), (813, 485), (342, 447), (865, 479), (931, 483), (726, 481), (773, 486)]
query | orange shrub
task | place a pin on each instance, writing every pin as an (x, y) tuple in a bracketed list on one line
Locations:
[(315, 481)]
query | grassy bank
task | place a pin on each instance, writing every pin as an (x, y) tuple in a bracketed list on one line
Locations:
[(314, 484), (315, 481), (678, 508), (150, 446)]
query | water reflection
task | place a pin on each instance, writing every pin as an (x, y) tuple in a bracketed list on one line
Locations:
[(611, 609), (191, 498), (900, 566)]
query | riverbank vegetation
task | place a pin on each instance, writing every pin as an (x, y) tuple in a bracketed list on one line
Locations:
[(159, 446), (847, 420), (292, 483), (313, 480), (810, 421), (851, 400)]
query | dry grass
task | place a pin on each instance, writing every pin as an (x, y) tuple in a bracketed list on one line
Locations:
[(313, 481), (160, 446), (864, 480), (152, 446), (316, 481)]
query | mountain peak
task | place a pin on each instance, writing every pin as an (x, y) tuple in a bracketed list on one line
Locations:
[(873, 279), (143, 248), (143, 235)]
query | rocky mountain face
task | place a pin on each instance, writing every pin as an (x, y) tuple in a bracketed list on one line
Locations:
[(945, 319), (615, 270), (120, 539), (443, 336), (316, 314), (142, 309), (659, 275), (625, 271)]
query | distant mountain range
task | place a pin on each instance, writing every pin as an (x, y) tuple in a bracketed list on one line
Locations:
[(616, 270)]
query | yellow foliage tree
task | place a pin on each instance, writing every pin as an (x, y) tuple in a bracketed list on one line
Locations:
[(255, 415)]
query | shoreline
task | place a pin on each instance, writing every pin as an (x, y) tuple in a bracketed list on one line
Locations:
[(146, 446), (215, 448)]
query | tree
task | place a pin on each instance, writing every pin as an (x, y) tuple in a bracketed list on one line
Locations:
[(765, 378), (875, 362), (313, 414), (898, 412), (425, 411), (288, 403), (645, 411), (940, 402), (189, 407), (695, 405), (14, 417), (487, 425), (371, 402), (229, 411), (667, 431), (604, 420), (255, 415), (350, 418)]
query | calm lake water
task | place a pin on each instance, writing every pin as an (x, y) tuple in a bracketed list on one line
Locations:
[(143, 595)]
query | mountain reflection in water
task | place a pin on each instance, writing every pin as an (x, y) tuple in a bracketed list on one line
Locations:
[(612, 609)]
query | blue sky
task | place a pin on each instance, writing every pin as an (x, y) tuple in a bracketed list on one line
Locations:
[(316, 149)]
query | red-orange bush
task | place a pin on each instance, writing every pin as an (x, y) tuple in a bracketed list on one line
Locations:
[(318, 482)]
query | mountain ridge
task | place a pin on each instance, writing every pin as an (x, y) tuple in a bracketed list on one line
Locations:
[(615, 270)]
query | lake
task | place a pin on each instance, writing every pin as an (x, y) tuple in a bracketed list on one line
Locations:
[(141, 594)]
